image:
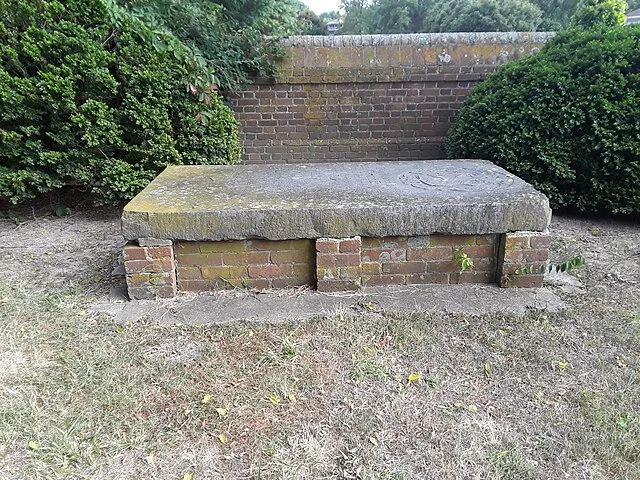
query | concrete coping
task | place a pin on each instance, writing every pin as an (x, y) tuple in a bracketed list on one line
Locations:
[(281, 202), (472, 38)]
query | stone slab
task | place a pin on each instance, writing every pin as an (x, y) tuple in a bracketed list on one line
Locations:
[(280, 202), (226, 307)]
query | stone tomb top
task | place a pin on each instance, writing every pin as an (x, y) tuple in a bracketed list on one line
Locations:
[(279, 202)]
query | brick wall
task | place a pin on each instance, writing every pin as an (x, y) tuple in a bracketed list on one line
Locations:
[(159, 268), (260, 264), (427, 260), (369, 97)]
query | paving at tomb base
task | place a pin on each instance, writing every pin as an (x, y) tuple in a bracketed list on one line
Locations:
[(334, 227)]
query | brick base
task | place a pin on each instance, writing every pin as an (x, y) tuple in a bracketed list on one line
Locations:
[(427, 259), (338, 264), (150, 269), (261, 264), (520, 250), (157, 268)]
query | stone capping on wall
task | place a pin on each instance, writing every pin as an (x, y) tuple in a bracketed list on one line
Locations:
[(432, 39)]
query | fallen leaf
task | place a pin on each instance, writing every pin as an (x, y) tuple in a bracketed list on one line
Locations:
[(472, 408), (487, 369), (223, 438), (413, 377), (374, 441), (206, 398), (222, 411), (188, 476), (274, 399), (562, 364), (33, 445)]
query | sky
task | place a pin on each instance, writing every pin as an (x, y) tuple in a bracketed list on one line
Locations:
[(320, 6)]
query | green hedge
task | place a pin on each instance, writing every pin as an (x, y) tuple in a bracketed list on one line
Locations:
[(82, 103), (566, 119)]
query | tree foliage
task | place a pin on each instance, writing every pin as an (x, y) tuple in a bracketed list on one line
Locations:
[(484, 16), (398, 16), (86, 103), (565, 119), (555, 13), (229, 35), (600, 13), (311, 24), (412, 16)]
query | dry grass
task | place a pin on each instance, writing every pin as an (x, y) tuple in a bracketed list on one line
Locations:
[(544, 396)]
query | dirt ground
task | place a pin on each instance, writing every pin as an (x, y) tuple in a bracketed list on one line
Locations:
[(352, 394)]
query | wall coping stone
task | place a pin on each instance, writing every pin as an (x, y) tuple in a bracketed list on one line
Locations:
[(374, 199), (472, 38)]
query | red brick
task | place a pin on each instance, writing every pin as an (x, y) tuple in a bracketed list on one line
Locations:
[(338, 260), (540, 241), (291, 256), (484, 265), (136, 266), (380, 280), (428, 279), (160, 252), (327, 245), (337, 286), (526, 256), (235, 258), (480, 251), (162, 265), (187, 247), (429, 253), (200, 285), (384, 255), (443, 267), (189, 273), (351, 245), (517, 242), (199, 259), (257, 257), (395, 243), (404, 267), (486, 239), (452, 240), (134, 252), (268, 271)]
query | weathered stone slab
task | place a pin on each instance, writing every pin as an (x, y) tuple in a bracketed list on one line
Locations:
[(279, 202)]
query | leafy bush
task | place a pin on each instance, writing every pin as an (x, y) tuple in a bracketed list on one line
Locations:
[(84, 103), (565, 119), (235, 52)]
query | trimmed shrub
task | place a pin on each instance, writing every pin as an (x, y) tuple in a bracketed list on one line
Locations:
[(566, 119), (83, 103)]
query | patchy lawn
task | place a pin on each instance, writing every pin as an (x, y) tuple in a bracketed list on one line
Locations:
[(373, 396)]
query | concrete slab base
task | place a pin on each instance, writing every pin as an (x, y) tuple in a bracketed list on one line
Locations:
[(291, 305)]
